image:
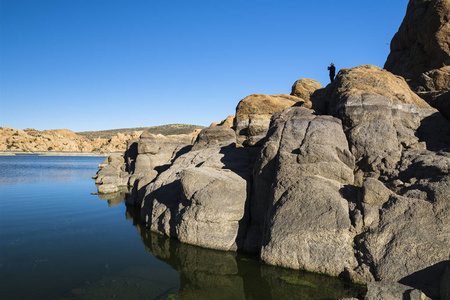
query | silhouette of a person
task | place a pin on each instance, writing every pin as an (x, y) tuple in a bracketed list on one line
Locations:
[(332, 71)]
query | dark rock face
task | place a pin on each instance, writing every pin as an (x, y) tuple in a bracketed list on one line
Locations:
[(420, 51)]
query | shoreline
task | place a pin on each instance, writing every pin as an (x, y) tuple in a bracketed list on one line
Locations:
[(55, 153)]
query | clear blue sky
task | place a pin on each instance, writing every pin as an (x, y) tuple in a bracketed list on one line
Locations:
[(106, 64)]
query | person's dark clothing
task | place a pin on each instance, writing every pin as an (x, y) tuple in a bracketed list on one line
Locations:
[(332, 72)]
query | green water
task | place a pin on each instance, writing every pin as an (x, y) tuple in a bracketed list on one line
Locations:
[(59, 241)]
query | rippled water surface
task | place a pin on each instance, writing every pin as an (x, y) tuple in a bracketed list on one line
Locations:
[(60, 241)]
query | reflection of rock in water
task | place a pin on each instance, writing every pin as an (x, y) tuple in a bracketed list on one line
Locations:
[(116, 198), (204, 273), (211, 274)]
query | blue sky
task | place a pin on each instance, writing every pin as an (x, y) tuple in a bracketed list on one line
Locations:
[(106, 64)]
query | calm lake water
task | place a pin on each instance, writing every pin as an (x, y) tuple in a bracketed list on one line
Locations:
[(58, 240)]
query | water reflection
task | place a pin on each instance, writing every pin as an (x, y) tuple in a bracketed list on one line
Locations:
[(117, 198), (210, 274)]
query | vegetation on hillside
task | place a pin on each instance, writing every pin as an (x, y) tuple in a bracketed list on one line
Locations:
[(163, 129)]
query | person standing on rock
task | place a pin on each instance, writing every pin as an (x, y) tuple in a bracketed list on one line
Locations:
[(332, 71)]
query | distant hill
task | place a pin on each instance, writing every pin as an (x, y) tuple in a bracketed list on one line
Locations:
[(64, 140), (163, 129)]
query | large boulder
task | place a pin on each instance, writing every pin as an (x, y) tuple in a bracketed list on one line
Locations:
[(380, 115), (201, 198), (215, 135), (420, 50), (253, 115), (305, 87), (212, 209), (299, 216)]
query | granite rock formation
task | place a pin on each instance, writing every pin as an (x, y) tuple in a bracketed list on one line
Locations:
[(305, 87), (253, 115), (360, 191), (420, 51), (60, 140), (143, 160), (352, 180)]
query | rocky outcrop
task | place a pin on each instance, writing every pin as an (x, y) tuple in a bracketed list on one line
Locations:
[(347, 194), (59, 140), (253, 115), (112, 174), (215, 135), (356, 186), (183, 202), (141, 162), (380, 115), (305, 87), (307, 222), (420, 51)]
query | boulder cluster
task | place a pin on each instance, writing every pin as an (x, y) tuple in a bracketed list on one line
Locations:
[(350, 180), (60, 140)]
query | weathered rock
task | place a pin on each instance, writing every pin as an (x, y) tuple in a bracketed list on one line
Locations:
[(309, 227), (375, 194), (59, 140), (156, 144), (421, 43), (216, 135), (420, 49), (305, 87), (112, 175), (386, 290), (410, 237), (108, 180), (140, 162), (304, 164), (117, 161), (253, 115), (212, 212), (156, 151), (192, 191), (228, 122), (380, 116)]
